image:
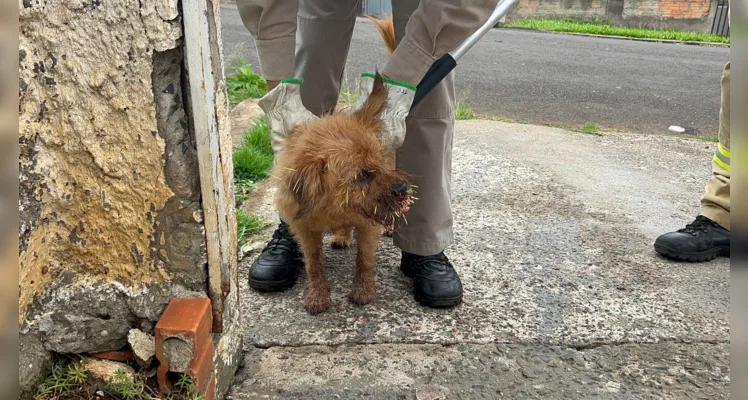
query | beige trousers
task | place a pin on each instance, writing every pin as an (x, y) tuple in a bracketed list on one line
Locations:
[(716, 201), (323, 38)]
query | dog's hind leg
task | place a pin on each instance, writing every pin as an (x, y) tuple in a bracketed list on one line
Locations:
[(363, 290), (341, 238), (317, 298)]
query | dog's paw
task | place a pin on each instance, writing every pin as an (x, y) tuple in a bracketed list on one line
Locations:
[(315, 303), (362, 296)]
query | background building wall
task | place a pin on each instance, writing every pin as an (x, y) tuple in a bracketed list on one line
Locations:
[(693, 15)]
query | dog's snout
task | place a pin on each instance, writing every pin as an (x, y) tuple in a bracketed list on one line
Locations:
[(400, 187)]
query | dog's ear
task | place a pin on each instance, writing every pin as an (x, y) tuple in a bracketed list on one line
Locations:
[(305, 183), (372, 108)]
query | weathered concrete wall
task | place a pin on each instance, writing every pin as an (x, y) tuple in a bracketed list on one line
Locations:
[(559, 9), (692, 15), (110, 225)]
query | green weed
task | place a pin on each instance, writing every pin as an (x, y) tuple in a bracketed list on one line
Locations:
[(245, 84), (128, 388), (69, 380), (254, 157), (463, 111), (242, 188), (65, 379), (349, 91), (589, 128), (247, 225)]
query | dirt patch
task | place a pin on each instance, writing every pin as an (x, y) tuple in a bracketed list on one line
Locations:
[(260, 203), (242, 116)]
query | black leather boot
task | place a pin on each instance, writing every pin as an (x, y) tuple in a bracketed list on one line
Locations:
[(435, 281), (278, 266), (702, 240)]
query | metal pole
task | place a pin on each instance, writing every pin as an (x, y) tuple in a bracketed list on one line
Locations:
[(444, 65), (501, 9)]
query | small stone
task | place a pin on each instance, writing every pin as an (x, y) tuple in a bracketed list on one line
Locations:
[(143, 346), (105, 370), (667, 380), (431, 392), (612, 387)]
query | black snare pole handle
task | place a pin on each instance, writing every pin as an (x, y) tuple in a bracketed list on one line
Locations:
[(444, 65), (438, 71)]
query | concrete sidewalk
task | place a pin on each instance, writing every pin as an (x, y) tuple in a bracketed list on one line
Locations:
[(564, 294)]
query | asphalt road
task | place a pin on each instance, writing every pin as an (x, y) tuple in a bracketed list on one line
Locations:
[(559, 79)]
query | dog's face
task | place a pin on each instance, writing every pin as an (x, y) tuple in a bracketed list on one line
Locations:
[(337, 165)]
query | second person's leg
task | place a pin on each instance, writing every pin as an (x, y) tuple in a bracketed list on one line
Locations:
[(708, 236)]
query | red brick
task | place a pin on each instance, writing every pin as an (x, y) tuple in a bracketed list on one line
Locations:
[(119, 355), (189, 317), (210, 394), (201, 366), (186, 319)]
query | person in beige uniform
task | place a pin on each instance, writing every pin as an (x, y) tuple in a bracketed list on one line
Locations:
[(708, 236), (309, 39)]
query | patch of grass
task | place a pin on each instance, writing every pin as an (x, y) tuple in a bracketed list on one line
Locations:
[(64, 380), (254, 157), (128, 388), (248, 225), (245, 84), (69, 380), (608, 29), (242, 187), (589, 128), (252, 162), (463, 111)]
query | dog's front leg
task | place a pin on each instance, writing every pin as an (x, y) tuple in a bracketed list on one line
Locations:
[(364, 291), (317, 298)]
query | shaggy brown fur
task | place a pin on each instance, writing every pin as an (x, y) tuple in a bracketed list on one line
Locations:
[(334, 176), (386, 28)]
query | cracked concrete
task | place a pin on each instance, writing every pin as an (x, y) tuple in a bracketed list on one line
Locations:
[(564, 294)]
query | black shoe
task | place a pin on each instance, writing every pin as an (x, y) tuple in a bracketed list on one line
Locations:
[(277, 267), (701, 240), (435, 281)]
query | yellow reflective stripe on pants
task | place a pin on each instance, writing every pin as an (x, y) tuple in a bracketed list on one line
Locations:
[(722, 157)]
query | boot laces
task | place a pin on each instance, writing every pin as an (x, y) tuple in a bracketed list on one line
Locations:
[(700, 224), (435, 263), (282, 239)]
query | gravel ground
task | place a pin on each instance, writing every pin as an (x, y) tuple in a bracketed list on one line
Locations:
[(564, 295)]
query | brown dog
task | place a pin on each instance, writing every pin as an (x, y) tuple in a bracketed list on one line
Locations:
[(333, 176)]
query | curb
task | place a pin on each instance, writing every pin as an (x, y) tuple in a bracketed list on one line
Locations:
[(636, 39)]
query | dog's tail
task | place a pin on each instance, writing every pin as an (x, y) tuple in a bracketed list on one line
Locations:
[(386, 29)]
